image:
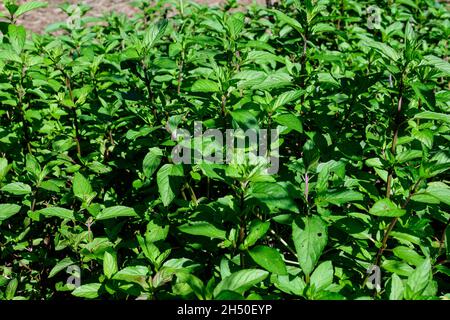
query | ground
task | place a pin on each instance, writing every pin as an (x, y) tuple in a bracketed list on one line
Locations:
[(39, 19)]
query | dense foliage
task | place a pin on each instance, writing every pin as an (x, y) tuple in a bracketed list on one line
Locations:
[(358, 90)]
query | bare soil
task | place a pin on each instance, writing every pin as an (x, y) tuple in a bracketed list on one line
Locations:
[(37, 20)]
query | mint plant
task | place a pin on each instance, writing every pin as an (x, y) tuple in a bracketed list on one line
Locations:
[(110, 125)]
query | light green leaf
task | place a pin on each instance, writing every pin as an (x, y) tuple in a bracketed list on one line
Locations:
[(57, 212), (249, 78), (88, 291), (257, 230), (291, 285), (408, 3), (429, 115), (203, 229), (152, 161), (11, 289), (241, 281), (136, 274), (408, 155), (235, 24), (4, 168), (425, 198), (284, 18), (51, 185), (438, 63), (205, 85), (440, 191), (408, 255), (81, 186), (32, 166), (274, 80), (397, 267), (61, 265), (386, 208), (29, 6), (115, 212), (425, 136), (322, 27), (149, 249), (8, 210), (154, 33), (341, 197), (109, 263), (310, 236), (213, 25), (169, 179), (269, 258), (9, 55), (397, 288), (17, 37), (425, 93), (17, 188), (287, 97), (406, 237), (291, 121), (418, 280), (383, 49), (244, 119), (322, 277), (263, 57), (274, 196)]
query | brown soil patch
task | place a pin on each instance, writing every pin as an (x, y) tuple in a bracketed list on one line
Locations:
[(37, 20)]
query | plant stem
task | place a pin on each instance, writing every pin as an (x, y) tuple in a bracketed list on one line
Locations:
[(303, 58), (34, 196), (180, 75), (242, 227), (341, 12), (241, 240), (397, 122), (224, 103), (283, 242), (74, 113), (25, 127), (442, 240), (419, 107), (392, 225), (147, 82), (20, 105), (192, 193), (303, 73)]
